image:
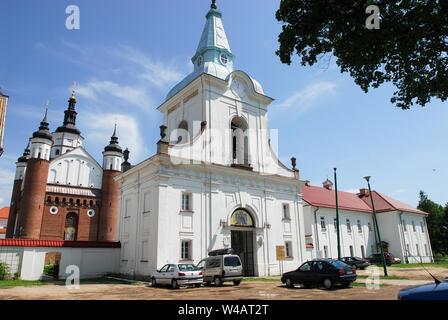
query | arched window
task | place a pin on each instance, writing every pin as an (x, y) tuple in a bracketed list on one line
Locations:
[(78, 202), (91, 203), (56, 200), (57, 152), (240, 141), (71, 227), (48, 199)]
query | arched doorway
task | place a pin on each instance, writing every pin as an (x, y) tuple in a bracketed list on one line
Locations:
[(242, 239), (71, 227)]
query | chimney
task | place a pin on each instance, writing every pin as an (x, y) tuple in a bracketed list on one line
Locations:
[(364, 192)]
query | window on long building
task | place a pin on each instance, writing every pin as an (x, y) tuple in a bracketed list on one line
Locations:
[(322, 224), (359, 226), (349, 227)]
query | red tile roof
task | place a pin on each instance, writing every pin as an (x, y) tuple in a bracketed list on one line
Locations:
[(4, 212), (321, 197), (57, 243), (384, 203)]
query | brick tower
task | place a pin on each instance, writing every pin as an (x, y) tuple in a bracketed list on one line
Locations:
[(112, 157), (38, 163), (16, 192)]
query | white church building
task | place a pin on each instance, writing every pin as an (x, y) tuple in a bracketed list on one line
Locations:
[(216, 181)]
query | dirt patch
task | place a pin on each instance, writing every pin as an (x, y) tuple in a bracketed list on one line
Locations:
[(252, 290)]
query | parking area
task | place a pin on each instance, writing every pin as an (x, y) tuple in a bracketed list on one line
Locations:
[(246, 290), (259, 289)]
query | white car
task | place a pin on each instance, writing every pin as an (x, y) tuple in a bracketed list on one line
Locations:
[(176, 275)]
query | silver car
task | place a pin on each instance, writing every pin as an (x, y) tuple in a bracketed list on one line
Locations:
[(176, 275)]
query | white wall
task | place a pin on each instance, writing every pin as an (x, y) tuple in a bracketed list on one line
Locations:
[(162, 229), (76, 168), (92, 262)]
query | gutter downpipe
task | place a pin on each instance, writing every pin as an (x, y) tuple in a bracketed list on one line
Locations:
[(315, 230)]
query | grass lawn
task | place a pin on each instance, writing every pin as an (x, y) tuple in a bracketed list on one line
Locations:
[(386, 278), (418, 265), (19, 283), (362, 284)]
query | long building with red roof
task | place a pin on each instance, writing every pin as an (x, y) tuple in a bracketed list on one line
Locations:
[(403, 228)]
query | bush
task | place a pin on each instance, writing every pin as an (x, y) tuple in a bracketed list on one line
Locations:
[(52, 270), (4, 270)]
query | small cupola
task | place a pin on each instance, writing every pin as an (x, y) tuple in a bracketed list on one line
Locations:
[(70, 114), (44, 130), (25, 155), (113, 144), (327, 184)]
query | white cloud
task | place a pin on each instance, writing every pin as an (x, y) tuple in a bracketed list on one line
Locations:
[(303, 99), (399, 191), (99, 132), (352, 190), (159, 73), (104, 90)]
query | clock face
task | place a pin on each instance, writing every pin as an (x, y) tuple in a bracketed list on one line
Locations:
[(238, 89)]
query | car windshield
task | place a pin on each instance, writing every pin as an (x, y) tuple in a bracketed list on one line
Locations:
[(338, 264), (232, 262), (187, 267)]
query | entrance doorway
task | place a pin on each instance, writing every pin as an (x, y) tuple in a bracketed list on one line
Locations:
[(243, 244)]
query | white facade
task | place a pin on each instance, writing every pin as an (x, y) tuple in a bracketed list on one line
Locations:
[(357, 232), (216, 158), (411, 245), (64, 142), (75, 168)]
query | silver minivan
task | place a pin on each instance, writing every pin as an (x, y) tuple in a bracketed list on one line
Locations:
[(222, 266)]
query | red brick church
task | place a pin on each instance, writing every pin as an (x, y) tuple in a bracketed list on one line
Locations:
[(60, 191)]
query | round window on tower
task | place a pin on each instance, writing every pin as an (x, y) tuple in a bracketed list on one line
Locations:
[(224, 58), (91, 213), (54, 210), (199, 61)]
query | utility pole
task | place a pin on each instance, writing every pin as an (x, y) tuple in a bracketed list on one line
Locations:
[(337, 215), (377, 227)]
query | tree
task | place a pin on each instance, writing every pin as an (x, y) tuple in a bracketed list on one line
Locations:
[(409, 49), (437, 222)]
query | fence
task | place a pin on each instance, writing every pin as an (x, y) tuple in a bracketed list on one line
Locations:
[(12, 257)]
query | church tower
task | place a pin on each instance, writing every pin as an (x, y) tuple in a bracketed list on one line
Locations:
[(35, 184), (16, 190), (67, 137), (112, 157)]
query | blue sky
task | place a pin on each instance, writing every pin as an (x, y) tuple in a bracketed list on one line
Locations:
[(127, 55)]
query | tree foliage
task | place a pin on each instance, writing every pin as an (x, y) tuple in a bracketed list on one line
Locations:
[(437, 222), (409, 49)]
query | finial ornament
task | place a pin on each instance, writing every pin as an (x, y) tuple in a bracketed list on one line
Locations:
[(73, 91), (213, 6)]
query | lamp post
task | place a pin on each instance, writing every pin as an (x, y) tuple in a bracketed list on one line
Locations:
[(337, 214), (377, 228)]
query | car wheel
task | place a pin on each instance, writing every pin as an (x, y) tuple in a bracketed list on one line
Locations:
[(236, 282), (328, 284), (174, 284), (218, 281), (289, 283), (153, 282)]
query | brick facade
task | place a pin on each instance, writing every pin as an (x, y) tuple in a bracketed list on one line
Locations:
[(109, 210)]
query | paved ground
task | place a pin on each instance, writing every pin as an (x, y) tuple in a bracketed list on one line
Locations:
[(247, 290)]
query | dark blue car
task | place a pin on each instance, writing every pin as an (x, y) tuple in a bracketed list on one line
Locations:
[(430, 291)]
